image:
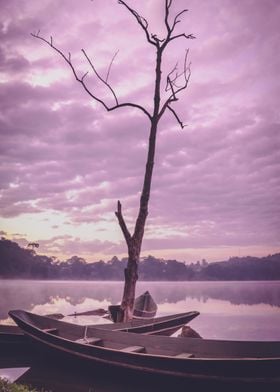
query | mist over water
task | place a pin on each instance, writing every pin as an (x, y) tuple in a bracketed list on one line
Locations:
[(228, 310)]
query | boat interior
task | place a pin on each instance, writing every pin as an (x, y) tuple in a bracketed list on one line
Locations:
[(179, 347)]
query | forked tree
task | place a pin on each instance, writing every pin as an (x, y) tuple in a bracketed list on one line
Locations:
[(170, 86)]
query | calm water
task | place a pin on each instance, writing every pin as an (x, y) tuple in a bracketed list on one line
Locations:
[(228, 310)]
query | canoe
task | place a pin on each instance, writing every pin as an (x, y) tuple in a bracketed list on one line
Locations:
[(165, 325), (184, 358), (11, 334), (144, 306)]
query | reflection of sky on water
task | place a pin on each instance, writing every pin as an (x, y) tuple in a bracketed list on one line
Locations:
[(217, 307), (63, 306), (222, 320), (228, 310), (12, 374)]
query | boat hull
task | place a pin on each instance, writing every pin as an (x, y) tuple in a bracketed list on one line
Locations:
[(233, 366), (165, 326)]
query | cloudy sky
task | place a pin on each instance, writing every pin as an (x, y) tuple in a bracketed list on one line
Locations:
[(65, 161)]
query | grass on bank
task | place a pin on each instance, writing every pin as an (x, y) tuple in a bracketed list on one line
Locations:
[(6, 386)]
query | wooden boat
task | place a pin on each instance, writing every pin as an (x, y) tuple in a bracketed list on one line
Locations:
[(144, 306), (165, 325), (184, 358), (11, 334)]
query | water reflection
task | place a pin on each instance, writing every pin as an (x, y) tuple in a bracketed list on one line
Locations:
[(229, 310), (30, 294)]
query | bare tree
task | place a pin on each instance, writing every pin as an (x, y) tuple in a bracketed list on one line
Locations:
[(175, 82)]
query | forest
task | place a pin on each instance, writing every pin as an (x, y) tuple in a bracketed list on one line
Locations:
[(24, 263)]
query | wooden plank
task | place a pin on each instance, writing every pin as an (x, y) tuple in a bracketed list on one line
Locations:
[(92, 341), (50, 330), (134, 349), (184, 355)]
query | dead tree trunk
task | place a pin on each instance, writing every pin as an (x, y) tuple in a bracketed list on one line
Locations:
[(135, 242), (176, 81)]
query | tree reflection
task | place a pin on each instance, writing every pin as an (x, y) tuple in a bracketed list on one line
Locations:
[(28, 294)]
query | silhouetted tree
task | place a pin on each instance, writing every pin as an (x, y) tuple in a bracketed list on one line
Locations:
[(175, 82)]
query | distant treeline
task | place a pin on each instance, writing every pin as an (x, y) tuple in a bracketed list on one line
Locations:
[(17, 262)]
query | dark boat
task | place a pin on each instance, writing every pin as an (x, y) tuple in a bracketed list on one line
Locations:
[(184, 358), (11, 334), (144, 306), (165, 325)]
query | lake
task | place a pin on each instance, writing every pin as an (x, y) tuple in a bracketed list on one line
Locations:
[(228, 310)]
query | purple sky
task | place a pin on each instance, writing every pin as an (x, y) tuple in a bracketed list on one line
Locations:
[(65, 161)]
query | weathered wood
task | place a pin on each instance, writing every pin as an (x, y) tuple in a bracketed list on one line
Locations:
[(164, 325), (184, 355), (216, 360), (144, 306), (93, 341), (134, 349), (50, 330)]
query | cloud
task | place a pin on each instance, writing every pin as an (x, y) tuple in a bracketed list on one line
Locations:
[(215, 183)]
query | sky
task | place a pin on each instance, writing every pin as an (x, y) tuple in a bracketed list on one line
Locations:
[(65, 161)]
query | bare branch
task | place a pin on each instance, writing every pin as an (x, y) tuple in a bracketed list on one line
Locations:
[(110, 66), (186, 73), (176, 116), (142, 22), (171, 85), (158, 40), (81, 80), (176, 20), (100, 77), (167, 6), (69, 62), (132, 105), (122, 223), (187, 36), (168, 78)]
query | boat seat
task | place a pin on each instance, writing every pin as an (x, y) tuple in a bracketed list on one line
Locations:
[(92, 341), (133, 349), (50, 330), (184, 355)]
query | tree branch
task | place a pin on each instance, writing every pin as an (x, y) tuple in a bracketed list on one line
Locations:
[(122, 223), (170, 83), (176, 20), (187, 36), (167, 6), (110, 66), (142, 22), (171, 28), (176, 116), (99, 76), (81, 80), (174, 88)]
